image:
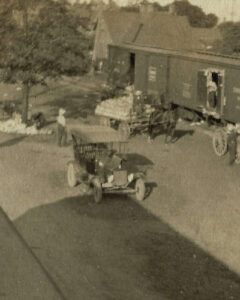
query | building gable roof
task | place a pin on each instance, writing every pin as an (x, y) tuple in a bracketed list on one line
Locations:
[(118, 23), (157, 30)]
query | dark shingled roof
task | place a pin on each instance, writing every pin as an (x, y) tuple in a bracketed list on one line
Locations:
[(158, 30)]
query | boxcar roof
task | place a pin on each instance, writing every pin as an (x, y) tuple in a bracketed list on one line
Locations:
[(95, 133), (194, 55)]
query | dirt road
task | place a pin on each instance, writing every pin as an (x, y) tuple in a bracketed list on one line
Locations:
[(121, 249)]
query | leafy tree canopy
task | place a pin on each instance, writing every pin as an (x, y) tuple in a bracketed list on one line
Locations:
[(40, 40), (230, 42), (196, 16)]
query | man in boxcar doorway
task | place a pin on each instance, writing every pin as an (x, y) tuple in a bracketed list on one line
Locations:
[(212, 92)]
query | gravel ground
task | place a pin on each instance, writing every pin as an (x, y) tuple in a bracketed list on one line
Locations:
[(168, 247)]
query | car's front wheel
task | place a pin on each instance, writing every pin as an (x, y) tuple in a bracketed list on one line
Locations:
[(71, 175), (140, 189)]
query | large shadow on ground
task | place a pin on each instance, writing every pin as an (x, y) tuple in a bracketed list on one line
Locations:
[(135, 162), (117, 250), (12, 142), (179, 133)]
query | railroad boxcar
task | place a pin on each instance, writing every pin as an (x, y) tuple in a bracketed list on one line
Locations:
[(181, 77)]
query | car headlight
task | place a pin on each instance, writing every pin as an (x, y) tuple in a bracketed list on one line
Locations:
[(130, 177), (110, 178)]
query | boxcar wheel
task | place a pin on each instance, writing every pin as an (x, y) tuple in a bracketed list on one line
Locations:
[(140, 189), (220, 142), (71, 175), (237, 160), (97, 190)]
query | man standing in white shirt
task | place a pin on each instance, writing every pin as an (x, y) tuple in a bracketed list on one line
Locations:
[(61, 128)]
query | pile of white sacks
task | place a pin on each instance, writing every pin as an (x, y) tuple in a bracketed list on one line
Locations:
[(15, 125), (117, 108)]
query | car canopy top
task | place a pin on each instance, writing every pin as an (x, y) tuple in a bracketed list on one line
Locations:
[(95, 134)]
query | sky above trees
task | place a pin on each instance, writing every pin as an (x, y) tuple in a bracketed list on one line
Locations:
[(222, 8)]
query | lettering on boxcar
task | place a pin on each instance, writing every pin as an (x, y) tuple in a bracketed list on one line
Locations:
[(152, 74)]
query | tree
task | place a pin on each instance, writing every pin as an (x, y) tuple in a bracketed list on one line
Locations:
[(230, 42), (211, 20), (41, 41), (196, 16)]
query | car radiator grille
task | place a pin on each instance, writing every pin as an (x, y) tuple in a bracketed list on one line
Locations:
[(120, 177)]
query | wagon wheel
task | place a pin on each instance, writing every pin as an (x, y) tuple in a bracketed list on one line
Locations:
[(237, 160), (220, 142), (124, 129)]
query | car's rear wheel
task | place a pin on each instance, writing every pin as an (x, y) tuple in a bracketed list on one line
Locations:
[(97, 190), (140, 189), (220, 142), (71, 175)]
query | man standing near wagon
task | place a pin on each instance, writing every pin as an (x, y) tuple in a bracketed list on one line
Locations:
[(232, 143), (171, 123), (61, 128)]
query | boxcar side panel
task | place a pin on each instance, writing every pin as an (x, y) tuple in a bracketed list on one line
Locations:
[(183, 82), (157, 74), (232, 95)]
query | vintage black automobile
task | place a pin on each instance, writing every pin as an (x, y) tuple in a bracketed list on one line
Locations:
[(100, 161)]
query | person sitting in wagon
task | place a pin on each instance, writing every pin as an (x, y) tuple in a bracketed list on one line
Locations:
[(138, 102)]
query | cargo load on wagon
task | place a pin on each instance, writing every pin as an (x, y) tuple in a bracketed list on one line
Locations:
[(123, 108)]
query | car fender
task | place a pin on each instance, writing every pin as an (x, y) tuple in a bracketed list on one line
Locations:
[(139, 175)]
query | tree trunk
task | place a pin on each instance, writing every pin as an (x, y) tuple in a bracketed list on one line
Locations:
[(26, 91)]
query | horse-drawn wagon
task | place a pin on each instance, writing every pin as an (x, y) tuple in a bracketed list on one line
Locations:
[(131, 117)]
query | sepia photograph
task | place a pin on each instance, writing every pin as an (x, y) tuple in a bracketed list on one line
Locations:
[(120, 149)]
